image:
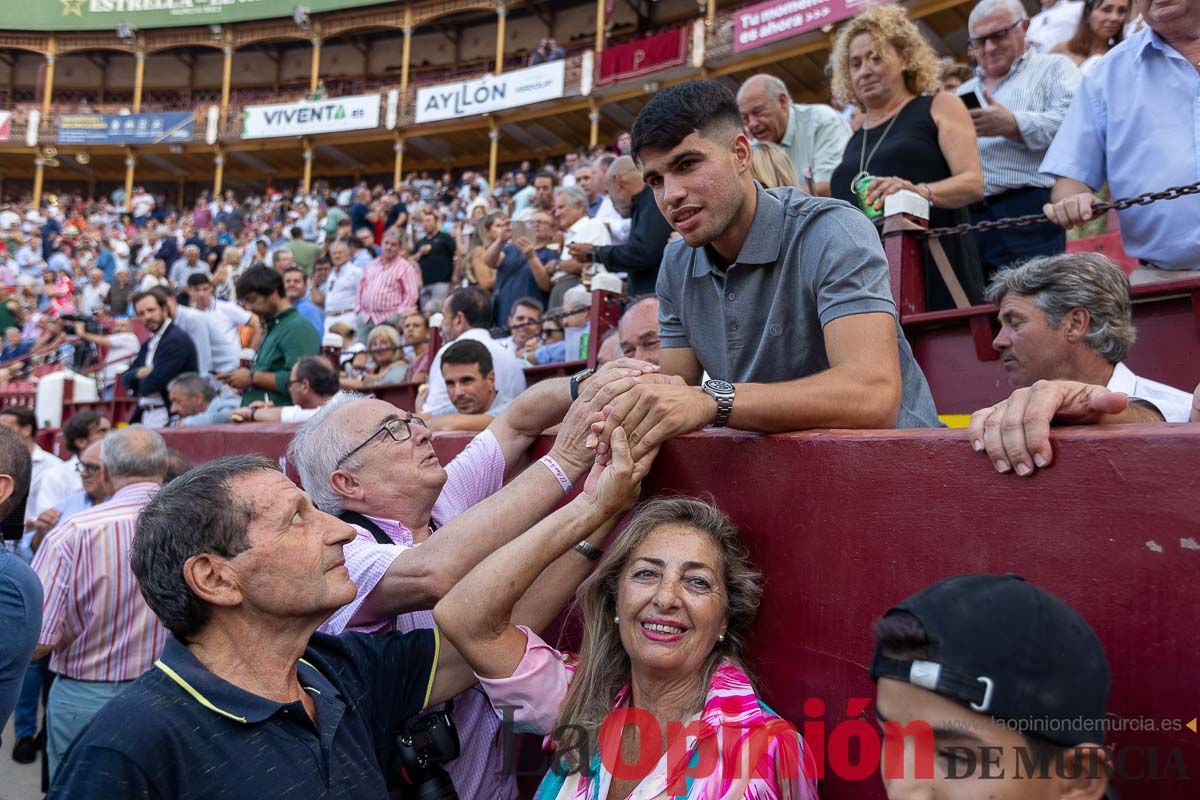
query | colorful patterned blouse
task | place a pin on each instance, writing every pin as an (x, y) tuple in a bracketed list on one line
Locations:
[(735, 747)]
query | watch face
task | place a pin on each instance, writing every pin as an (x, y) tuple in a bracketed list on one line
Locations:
[(720, 387)]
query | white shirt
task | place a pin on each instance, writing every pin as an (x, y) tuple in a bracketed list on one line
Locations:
[(1053, 26), (1175, 405), (308, 225), (297, 414), (93, 297), (218, 348), (142, 203), (588, 231), (341, 288), (510, 377), (228, 317), (121, 346), (618, 226), (44, 465), (56, 485)]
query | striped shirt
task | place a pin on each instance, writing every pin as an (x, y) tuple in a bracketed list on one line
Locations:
[(476, 473), (93, 616), (1037, 90), (387, 288)]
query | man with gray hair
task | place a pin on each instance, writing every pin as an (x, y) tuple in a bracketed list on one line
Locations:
[(96, 627), (606, 212), (571, 213), (374, 466), (641, 254), (337, 295), (391, 284), (814, 135), (194, 401), (190, 264), (1065, 319), (1026, 97)]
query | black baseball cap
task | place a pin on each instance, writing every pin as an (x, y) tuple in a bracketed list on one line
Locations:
[(1001, 646)]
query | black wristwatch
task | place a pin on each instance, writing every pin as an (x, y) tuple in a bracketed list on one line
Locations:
[(578, 378), (722, 392)]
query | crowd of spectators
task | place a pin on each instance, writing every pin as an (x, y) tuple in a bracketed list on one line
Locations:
[(754, 302), (236, 290)]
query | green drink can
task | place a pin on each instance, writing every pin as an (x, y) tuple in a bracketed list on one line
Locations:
[(860, 190)]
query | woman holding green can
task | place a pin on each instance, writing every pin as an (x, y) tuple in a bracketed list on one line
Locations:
[(912, 138)]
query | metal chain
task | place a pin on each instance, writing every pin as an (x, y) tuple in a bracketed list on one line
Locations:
[(1033, 219)]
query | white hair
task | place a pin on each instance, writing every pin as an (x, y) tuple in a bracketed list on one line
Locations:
[(986, 8), (316, 449), (575, 195)]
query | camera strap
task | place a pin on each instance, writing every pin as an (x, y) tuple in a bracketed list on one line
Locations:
[(367, 524)]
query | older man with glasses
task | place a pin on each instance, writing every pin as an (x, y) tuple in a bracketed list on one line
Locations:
[(1026, 97), (420, 526)]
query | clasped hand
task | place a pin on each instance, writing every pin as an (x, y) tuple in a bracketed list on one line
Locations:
[(656, 408)]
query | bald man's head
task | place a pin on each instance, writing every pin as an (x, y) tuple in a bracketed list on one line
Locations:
[(765, 106), (624, 182), (638, 330)]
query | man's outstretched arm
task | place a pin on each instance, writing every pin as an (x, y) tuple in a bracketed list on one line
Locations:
[(861, 389), (418, 577)]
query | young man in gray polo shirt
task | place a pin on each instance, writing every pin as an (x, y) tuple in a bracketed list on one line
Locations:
[(782, 298)]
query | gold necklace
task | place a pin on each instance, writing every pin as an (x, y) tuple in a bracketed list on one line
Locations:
[(864, 159)]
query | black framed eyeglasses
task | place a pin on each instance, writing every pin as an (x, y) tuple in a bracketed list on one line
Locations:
[(978, 42), (400, 430), (87, 469)]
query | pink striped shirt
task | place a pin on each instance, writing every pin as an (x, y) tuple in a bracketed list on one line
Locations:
[(477, 472), (93, 615), (387, 288)]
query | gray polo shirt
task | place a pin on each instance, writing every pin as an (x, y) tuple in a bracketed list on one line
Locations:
[(806, 262)]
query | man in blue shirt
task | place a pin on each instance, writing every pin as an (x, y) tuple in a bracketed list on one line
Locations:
[(247, 701), (295, 286), (95, 488), (1134, 124), (20, 591)]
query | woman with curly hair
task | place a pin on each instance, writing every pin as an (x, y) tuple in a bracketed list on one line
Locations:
[(913, 137), (666, 616)]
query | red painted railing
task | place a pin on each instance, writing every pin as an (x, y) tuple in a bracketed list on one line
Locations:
[(954, 348), (844, 524)]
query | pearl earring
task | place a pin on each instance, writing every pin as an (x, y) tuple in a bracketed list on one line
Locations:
[(721, 638), (616, 620)]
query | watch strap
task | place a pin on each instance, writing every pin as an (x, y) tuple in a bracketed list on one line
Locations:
[(724, 410), (578, 378)]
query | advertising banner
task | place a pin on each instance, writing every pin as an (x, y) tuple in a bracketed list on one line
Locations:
[(331, 115), (5, 125), (641, 56), (93, 15), (175, 126), (763, 23), (520, 87)]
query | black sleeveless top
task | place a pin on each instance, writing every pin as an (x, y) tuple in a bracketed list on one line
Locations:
[(911, 151)]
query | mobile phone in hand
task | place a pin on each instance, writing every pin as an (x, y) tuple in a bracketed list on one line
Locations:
[(973, 98)]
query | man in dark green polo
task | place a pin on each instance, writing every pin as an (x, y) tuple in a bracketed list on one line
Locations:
[(289, 338)]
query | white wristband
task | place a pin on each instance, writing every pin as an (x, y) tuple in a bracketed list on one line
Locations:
[(557, 471)]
